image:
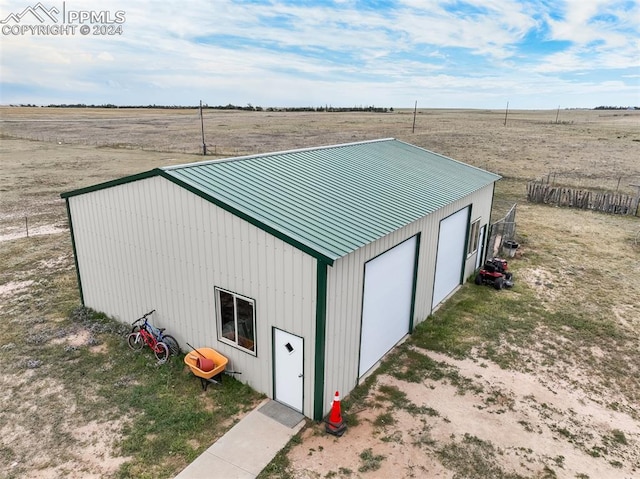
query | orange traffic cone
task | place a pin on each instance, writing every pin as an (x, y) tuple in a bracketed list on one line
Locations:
[(335, 425)]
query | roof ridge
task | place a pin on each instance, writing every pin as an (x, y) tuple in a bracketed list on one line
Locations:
[(447, 157), (273, 153)]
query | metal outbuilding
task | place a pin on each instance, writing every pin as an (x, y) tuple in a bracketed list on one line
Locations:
[(302, 267)]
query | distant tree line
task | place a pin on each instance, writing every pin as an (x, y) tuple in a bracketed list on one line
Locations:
[(248, 107), (374, 109), (617, 107)]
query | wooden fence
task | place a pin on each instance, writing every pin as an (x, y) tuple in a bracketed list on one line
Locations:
[(614, 203)]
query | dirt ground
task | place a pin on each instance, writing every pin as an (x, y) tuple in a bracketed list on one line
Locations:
[(561, 406), (552, 418), (520, 425), (579, 144)]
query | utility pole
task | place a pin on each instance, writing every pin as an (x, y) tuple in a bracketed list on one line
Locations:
[(415, 109), (505, 114), (204, 145)]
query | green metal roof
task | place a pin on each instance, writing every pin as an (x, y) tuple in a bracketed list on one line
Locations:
[(329, 201), (339, 198)]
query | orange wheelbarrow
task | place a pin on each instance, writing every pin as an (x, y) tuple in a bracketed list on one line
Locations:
[(207, 364)]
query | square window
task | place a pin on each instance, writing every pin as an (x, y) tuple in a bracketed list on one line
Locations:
[(474, 232), (236, 320)]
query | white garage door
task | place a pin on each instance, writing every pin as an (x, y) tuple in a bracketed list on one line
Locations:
[(451, 252), (386, 308)]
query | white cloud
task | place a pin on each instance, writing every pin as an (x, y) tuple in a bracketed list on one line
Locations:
[(173, 52), (583, 22)]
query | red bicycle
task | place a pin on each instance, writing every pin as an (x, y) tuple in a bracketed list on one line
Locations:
[(142, 336), (158, 333)]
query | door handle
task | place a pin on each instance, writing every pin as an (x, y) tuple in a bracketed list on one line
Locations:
[(300, 375)]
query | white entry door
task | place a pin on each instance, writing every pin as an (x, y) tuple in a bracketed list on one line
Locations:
[(288, 368), (386, 307)]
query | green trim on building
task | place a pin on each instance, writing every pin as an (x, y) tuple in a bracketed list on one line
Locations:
[(108, 184), (321, 330), (414, 289), (465, 251), (273, 361), (250, 219), (75, 253)]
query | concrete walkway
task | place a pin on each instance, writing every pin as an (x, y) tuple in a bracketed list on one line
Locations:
[(246, 449)]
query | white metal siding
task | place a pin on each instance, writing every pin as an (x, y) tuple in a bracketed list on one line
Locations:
[(345, 288), (151, 244)]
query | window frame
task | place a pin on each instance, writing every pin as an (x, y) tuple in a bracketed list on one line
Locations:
[(235, 342), (474, 237)]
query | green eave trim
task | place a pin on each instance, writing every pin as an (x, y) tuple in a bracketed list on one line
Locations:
[(75, 253), (321, 327), (414, 288), (248, 218), (109, 184)]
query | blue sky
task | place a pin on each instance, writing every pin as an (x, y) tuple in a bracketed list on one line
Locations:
[(442, 54)]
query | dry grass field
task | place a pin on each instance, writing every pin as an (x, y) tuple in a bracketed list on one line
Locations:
[(538, 381)]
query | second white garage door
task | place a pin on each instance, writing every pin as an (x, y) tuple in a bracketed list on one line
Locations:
[(450, 257), (386, 307)]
